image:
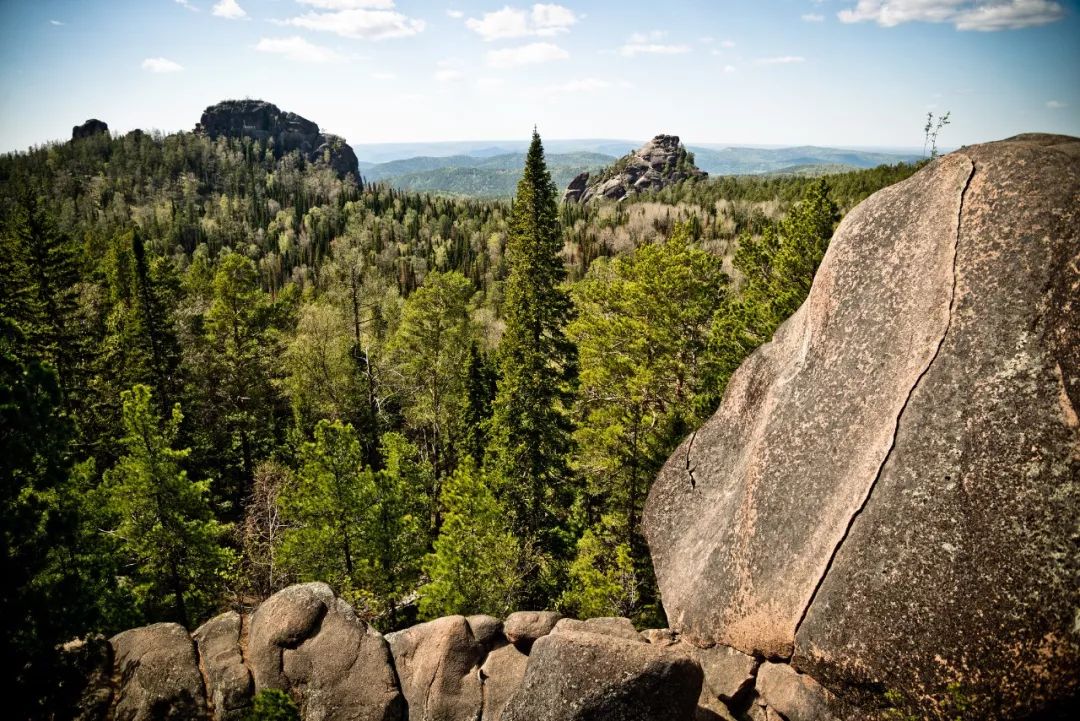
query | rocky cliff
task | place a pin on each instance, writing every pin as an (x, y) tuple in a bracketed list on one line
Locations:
[(659, 163), (888, 495), (285, 132), (91, 127)]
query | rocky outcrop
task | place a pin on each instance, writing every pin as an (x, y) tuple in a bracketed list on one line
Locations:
[(159, 675), (576, 675), (661, 162), (91, 127), (228, 682), (887, 495), (285, 132)]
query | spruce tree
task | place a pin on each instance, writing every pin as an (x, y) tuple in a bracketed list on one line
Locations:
[(531, 428), (163, 521)]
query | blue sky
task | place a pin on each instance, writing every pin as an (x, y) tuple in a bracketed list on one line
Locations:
[(824, 72)]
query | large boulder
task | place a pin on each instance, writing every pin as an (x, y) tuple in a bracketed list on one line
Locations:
[(502, 674), (438, 666), (306, 641), (522, 628), (582, 676), (888, 492), (159, 675)]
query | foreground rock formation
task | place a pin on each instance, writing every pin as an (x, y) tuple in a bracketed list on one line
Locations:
[(286, 132), (309, 643), (889, 494), (661, 162)]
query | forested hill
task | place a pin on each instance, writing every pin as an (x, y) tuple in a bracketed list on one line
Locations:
[(223, 370)]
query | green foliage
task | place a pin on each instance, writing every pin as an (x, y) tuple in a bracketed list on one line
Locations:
[(478, 565), (642, 334), (777, 270), (272, 704), (430, 356), (530, 429), (360, 530), (605, 578), (162, 520)]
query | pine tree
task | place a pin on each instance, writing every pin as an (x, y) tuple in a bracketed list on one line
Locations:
[(162, 519), (477, 566), (530, 429), (481, 385)]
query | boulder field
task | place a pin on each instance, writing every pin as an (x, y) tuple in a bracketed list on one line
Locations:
[(881, 520)]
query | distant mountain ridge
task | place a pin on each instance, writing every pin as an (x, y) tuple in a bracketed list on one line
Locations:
[(491, 169)]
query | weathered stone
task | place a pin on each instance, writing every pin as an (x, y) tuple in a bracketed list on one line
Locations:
[(609, 626), (228, 682), (795, 695), (283, 621), (579, 676), (159, 675), (729, 673), (889, 488), (284, 132), (659, 163), (91, 127), (438, 665), (501, 674), (487, 630), (660, 636), (306, 641), (524, 627)]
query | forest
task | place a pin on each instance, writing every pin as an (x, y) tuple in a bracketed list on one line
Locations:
[(223, 371)]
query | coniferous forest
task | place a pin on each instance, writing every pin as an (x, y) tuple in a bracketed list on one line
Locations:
[(223, 371)]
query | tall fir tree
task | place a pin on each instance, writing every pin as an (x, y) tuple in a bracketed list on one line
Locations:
[(531, 427), (162, 519)]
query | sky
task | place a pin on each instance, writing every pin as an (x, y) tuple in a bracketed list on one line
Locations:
[(848, 73)]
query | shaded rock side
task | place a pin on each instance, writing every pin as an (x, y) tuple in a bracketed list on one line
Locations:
[(579, 676), (438, 666), (661, 162), (159, 675), (91, 127), (888, 490), (229, 687), (286, 132)]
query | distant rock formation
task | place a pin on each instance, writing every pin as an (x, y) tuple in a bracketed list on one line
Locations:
[(889, 494), (285, 132), (659, 163), (91, 127)]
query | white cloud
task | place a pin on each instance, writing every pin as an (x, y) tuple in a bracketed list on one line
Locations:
[(359, 23), (349, 4), (641, 44), (781, 60), (981, 15), (229, 9), (530, 54), (727, 44), (449, 75), (455, 14), (544, 20), (1056, 104), (161, 65), (55, 22), (813, 18), (297, 48), (572, 87), (729, 69), (187, 5)]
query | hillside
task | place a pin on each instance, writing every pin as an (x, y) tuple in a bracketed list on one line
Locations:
[(476, 176)]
